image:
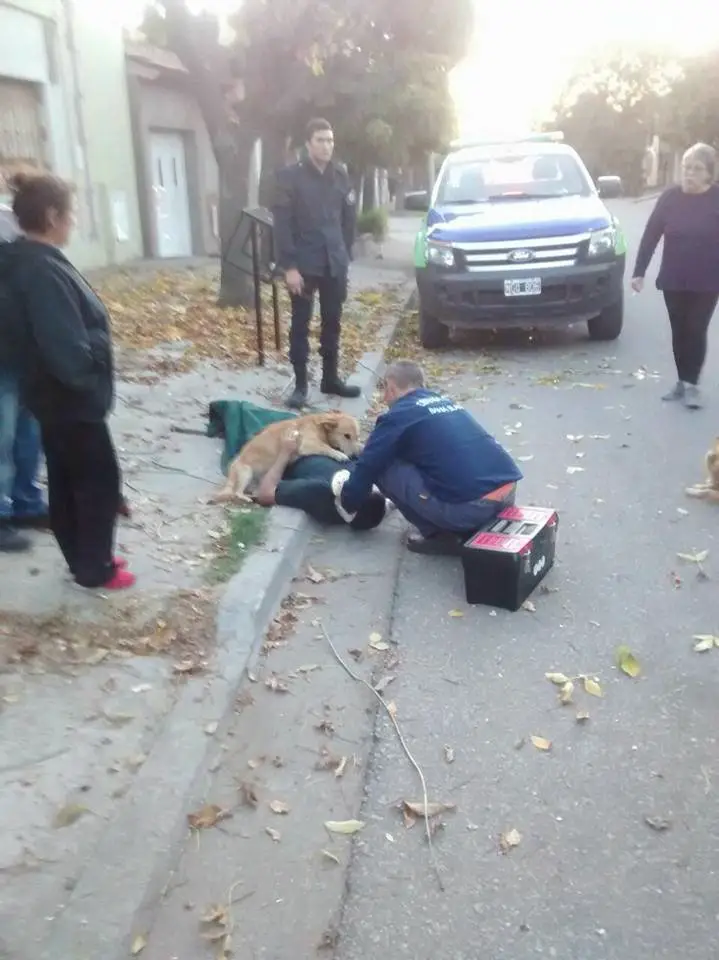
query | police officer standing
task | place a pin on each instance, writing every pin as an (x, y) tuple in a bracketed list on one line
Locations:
[(315, 219)]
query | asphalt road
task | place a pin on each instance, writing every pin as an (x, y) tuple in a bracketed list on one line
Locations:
[(591, 879), (618, 838)]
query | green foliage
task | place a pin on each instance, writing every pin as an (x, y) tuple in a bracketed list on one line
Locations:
[(612, 109), (691, 111), (377, 70), (374, 222), (609, 111)]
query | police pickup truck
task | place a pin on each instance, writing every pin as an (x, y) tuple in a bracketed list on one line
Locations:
[(516, 234)]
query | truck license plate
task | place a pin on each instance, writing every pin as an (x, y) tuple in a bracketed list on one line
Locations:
[(523, 288)]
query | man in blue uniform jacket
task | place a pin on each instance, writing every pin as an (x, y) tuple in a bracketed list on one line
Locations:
[(431, 458)]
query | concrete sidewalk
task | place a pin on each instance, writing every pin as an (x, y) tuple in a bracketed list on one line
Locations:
[(104, 748)]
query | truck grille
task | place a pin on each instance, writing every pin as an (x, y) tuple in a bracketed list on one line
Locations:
[(517, 255)]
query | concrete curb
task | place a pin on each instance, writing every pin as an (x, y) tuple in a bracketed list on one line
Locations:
[(115, 897)]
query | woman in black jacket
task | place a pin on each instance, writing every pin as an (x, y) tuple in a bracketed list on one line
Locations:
[(67, 381)]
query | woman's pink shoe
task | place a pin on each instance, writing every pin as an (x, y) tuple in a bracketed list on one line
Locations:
[(122, 580)]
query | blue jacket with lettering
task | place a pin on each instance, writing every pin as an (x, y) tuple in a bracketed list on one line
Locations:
[(458, 460)]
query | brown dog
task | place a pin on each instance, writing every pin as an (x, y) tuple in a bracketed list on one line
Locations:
[(709, 490), (333, 435)]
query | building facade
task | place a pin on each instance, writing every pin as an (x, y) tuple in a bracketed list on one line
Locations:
[(176, 167), (64, 106)]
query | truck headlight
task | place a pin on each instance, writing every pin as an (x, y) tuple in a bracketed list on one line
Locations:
[(601, 242), (440, 254)]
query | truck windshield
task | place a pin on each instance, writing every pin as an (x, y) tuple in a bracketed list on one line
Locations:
[(514, 177)]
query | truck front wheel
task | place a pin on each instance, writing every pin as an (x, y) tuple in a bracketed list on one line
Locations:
[(432, 333), (608, 325)]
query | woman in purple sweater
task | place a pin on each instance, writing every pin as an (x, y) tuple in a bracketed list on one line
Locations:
[(687, 217)]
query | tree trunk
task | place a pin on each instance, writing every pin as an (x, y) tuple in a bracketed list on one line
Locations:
[(236, 285), (274, 157)]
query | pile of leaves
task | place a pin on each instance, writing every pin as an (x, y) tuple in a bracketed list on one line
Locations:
[(185, 632), (177, 311)]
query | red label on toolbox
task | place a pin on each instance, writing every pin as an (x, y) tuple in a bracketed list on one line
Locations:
[(498, 541), (539, 517)]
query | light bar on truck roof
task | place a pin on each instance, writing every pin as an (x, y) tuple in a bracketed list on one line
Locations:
[(553, 136)]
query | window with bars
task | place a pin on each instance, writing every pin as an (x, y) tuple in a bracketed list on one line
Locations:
[(21, 131)]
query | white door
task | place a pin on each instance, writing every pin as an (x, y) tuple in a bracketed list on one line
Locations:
[(172, 202)]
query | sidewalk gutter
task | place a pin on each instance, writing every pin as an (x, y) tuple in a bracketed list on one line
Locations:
[(115, 897)]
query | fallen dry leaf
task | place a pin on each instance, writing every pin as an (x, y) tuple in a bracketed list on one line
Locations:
[(566, 692), (215, 913), (324, 726), (68, 815), (383, 683), (274, 835), (377, 643), (279, 807), (277, 685), (207, 816), (138, 945), (592, 687), (328, 761), (694, 557), (328, 855), (341, 767), (529, 606), (417, 808), (248, 794), (541, 743), (627, 662), (392, 709), (449, 754), (571, 470), (314, 576), (582, 716), (344, 826), (510, 839), (456, 613), (557, 678), (211, 729), (705, 642), (658, 823)]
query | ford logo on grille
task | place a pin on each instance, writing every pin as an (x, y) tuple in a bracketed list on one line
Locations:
[(521, 256)]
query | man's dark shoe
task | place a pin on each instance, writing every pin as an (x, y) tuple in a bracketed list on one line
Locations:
[(437, 544), (298, 398), (11, 541), (331, 382), (32, 521)]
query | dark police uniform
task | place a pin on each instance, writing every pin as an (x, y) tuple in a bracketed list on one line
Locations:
[(315, 218)]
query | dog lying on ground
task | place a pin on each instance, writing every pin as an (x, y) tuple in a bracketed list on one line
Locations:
[(333, 435), (709, 490)]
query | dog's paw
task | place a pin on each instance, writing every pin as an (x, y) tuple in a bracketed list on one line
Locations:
[(696, 493), (342, 457)]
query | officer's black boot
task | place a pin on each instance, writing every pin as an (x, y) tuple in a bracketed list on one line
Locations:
[(298, 397), (331, 382)]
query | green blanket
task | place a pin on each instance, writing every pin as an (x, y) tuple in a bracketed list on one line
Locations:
[(237, 421)]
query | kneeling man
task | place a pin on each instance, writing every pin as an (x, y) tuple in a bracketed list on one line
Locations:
[(431, 458)]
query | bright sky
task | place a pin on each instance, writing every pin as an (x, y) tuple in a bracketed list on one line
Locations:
[(524, 50)]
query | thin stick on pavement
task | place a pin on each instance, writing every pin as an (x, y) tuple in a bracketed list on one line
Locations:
[(403, 742)]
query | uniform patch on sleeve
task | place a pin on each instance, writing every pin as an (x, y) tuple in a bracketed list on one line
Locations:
[(351, 198)]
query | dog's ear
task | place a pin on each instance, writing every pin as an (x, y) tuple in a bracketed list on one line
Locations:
[(328, 421)]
